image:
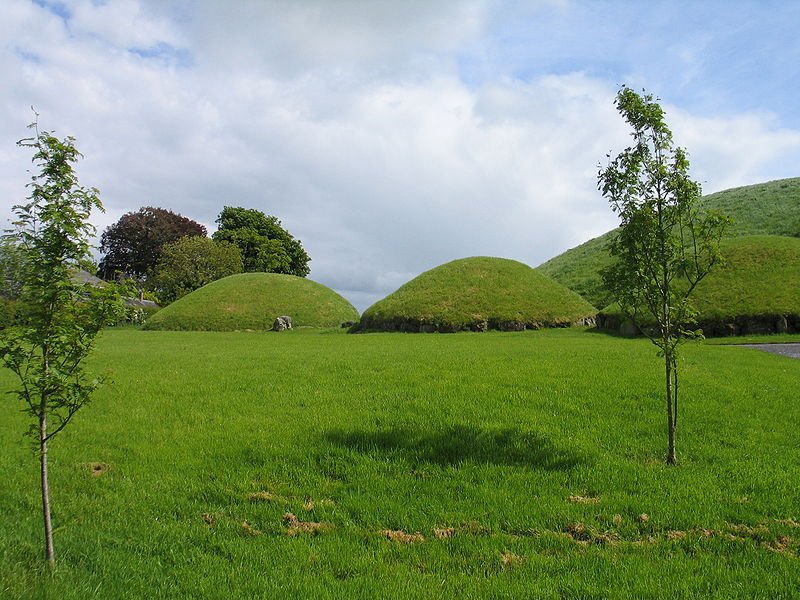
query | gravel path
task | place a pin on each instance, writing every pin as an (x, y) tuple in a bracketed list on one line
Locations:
[(792, 350)]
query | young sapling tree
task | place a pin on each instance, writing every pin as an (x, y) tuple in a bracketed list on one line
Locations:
[(665, 244), (61, 316)]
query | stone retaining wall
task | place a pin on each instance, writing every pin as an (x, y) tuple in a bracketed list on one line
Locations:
[(716, 327), (407, 325)]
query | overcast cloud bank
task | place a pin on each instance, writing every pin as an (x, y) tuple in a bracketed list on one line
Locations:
[(390, 137)]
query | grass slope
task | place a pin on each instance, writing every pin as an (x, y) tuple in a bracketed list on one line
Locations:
[(478, 293), (771, 208), (253, 301), (761, 277), (523, 461), (756, 291)]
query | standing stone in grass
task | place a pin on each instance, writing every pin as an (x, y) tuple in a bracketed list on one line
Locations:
[(480, 326), (282, 323)]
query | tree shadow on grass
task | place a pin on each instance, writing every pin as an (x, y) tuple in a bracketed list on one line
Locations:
[(459, 444)]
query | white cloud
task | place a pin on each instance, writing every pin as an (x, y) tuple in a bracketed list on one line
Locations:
[(738, 150), (355, 127), (124, 24)]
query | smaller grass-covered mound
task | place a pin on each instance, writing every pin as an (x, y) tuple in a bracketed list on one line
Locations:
[(757, 290), (478, 294), (254, 301)]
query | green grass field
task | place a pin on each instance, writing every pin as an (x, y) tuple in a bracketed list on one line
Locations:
[(499, 465)]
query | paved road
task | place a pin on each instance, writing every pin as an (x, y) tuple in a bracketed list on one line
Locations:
[(791, 350)]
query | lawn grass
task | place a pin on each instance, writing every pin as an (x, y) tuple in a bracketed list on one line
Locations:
[(478, 293), (532, 457), (253, 301), (771, 338)]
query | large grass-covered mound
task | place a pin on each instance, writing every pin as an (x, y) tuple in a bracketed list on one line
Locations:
[(253, 301), (477, 294), (771, 208), (757, 290)]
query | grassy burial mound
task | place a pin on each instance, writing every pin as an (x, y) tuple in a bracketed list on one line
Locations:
[(756, 291), (771, 208), (254, 301), (478, 294)]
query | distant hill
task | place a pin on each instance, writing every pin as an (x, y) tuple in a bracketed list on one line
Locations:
[(477, 294), (254, 301), (756, 291), (771, 208)]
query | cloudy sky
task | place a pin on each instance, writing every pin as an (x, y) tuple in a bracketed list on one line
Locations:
[(393, 136)]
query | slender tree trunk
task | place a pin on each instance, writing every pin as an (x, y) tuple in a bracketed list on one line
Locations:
[(48, 525), (671, 416), (675, 391)]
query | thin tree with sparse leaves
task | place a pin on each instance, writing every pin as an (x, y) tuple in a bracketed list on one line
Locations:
[(61, 316), (665, 244)]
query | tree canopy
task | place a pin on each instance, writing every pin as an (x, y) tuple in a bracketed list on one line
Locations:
[(190, 263), (265, 244), (132, 245)]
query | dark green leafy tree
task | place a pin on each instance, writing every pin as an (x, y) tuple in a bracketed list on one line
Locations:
[(190, 263), (62, 317), (265, 244), (132, 246), (665, 244)]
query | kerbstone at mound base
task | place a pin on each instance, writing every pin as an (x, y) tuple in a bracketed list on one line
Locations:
[(282, 323)]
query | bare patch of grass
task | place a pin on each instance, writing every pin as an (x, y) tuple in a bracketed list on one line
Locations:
[(579, 532), (261, 496), (782, 544), (295, 526), (443, 532), (398, 535), (509, 559), (588, 499), (250, 530), (309, 504), (586, 535), (96, 469), (789, 522)]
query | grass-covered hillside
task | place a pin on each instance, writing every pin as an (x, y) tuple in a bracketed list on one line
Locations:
[(332, 466), (757, 290), (254, 301), (771, 208), (478, 293)]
